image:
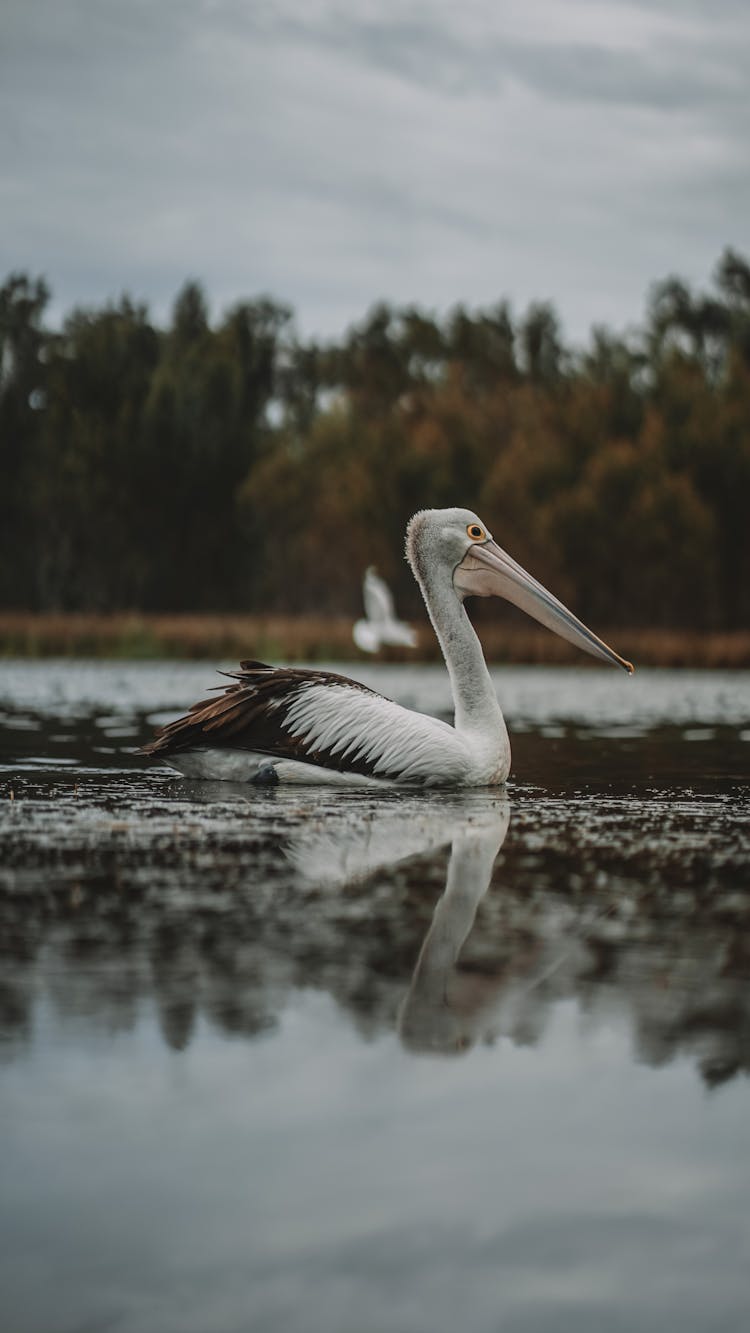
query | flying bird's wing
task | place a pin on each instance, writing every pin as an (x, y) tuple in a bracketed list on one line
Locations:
[(319, 718), (377, 598)]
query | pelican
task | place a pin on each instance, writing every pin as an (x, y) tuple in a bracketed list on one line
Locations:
[(380, 624), (288, 725)]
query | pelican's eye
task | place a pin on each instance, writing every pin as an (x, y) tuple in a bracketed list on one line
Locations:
[(476, 533)]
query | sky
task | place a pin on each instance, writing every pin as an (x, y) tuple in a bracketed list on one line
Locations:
[(333, 153)]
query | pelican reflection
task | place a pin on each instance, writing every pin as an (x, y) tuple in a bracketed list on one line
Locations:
[(443, 1008), (446, 1008)]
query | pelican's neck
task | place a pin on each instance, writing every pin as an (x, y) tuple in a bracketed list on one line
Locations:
[(473, 692)]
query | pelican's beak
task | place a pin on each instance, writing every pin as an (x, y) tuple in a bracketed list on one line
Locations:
[(487, 571)]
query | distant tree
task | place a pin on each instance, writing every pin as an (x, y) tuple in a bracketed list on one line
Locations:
[(483, 346), (733, 282), (370, 364), (84, 497), (540, 344), (23, 400), (189, 316), (159, 468)]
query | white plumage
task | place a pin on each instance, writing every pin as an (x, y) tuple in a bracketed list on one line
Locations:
[(370, 728)]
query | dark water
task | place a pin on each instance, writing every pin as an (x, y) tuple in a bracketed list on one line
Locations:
[(299, 1061)]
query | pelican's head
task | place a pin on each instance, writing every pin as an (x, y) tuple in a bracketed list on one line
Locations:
[(455, 545)]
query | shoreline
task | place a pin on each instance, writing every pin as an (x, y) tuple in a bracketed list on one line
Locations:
[(215, 636)]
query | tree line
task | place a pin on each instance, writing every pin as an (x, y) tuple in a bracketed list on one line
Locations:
[(232, 465)]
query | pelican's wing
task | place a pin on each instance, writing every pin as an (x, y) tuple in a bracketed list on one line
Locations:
[(377, 598), (320, 718)]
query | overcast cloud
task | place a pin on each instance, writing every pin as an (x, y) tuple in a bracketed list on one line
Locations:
[(335, 152)]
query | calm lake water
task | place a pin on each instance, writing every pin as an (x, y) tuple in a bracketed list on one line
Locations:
[(313, 1063)]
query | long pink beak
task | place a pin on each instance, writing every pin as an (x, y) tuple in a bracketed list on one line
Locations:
[(488, 571)]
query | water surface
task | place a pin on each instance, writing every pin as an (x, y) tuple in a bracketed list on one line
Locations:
[(295, 1060)]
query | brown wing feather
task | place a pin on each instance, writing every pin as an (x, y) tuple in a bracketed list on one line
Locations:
[(249, 715)]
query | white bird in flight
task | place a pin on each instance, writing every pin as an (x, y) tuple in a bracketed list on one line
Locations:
[(289, 725), (381, 625)]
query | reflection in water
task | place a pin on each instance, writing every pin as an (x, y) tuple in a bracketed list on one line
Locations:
[(225, 909), (443, 1009), (682, 982)]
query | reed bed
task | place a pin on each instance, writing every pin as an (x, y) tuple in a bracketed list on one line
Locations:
[(323, 638)]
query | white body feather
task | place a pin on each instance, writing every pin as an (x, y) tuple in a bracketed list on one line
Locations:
[(398, 745)]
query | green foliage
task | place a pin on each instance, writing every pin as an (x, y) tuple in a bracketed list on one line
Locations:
[(225, 464)]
